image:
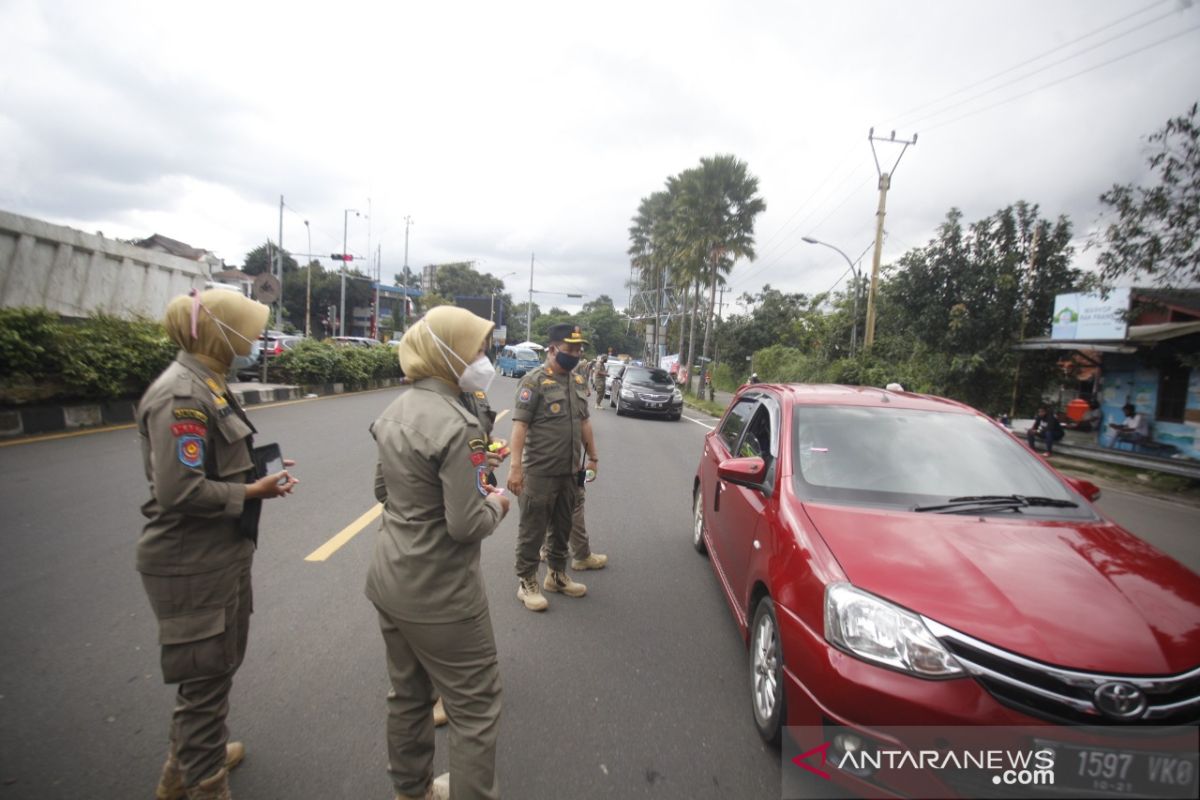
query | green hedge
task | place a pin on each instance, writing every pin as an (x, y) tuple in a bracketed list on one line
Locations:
[(43, 358), (101, 358), (315, 363)]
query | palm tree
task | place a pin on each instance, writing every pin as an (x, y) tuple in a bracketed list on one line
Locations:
[(717, 204)]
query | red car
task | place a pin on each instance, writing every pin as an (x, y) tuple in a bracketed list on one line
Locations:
[(894, 559)]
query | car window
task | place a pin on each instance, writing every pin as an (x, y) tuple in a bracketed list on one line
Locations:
[(526, 355), (735, 422), (757, 441), (646, 375), (907, 457)]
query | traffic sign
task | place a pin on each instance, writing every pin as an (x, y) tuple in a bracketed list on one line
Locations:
[(266, 288)]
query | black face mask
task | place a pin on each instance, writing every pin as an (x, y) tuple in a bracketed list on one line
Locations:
[(567, 361)]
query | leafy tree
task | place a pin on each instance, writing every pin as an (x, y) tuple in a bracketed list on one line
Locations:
[(1156, 232), (257, 261)]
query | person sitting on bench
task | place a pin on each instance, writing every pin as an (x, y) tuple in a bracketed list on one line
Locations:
[(1135, 428), (1045, 427)]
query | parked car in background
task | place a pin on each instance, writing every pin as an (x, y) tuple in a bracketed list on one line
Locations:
[(614, 368), (254, 372), (516, 361), (646, 390), (356, 341), (898, 559)]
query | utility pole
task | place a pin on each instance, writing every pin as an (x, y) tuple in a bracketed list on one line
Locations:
[(529, 306), (308, 283), (885, 183), (404, 277), (1032, 281), (279, 274), (378, 258)]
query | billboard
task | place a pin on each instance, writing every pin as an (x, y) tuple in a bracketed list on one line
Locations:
[(1090, 317)]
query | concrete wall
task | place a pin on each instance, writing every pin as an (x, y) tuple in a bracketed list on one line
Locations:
[(76, 274)]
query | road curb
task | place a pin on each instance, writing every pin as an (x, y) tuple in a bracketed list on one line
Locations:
[(55, 418)]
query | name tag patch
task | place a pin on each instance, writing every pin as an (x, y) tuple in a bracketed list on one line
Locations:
[(190, 413), (193, 428)]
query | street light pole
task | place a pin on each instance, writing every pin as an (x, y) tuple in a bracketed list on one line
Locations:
[(857, 280), (529, 307), (308, 286), (404, 277), (345, 228)]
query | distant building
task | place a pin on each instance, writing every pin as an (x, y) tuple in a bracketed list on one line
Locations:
[(165, 244)]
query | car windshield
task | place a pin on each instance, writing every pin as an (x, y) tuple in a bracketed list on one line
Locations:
[(526, 355), (903, 457), (645, 375)]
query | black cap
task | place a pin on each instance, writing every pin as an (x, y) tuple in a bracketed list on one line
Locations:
[(565, 332)]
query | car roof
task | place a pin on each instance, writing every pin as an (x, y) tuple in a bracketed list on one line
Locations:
[(814, 394)]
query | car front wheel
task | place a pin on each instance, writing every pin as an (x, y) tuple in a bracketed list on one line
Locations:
[(766, 673), (698, 522)]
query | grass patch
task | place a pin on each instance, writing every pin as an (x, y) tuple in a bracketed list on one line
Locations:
[(703, 404)]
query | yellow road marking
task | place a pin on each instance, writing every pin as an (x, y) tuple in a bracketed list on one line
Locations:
[(349, 532)]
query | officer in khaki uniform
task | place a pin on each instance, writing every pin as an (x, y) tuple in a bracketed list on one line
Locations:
[(196, 549), (551, 434), (599, 376), (424, 578)]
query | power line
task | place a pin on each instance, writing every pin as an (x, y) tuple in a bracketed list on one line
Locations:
[(1065, 78), (1037, 71), (1039, 57)]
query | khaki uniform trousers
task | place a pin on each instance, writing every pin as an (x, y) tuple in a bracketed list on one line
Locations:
[(204, 624), (457, 660), (578, 543), (548, 505)]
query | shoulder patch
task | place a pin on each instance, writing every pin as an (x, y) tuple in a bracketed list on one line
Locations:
[(579, 379), (190, 413), (481, 395), (525, 394), (191, 450), (185, 428), (481, 481)]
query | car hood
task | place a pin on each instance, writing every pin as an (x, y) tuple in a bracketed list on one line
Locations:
[(1081, 594), (655, 387)]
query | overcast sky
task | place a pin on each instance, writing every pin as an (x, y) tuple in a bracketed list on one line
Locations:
[(506, 129)]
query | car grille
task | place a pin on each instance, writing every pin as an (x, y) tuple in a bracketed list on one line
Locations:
[(653, 398), (1069, 696)]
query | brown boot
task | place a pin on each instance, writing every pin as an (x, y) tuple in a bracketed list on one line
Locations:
[(214, 788), (170, 784)]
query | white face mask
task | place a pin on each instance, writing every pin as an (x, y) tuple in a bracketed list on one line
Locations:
[(476, 376)]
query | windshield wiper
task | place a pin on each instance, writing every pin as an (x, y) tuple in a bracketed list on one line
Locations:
[(995, 502)]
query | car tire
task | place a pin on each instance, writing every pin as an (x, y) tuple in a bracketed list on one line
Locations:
[(766, 673), (698, 522), (676, 417)]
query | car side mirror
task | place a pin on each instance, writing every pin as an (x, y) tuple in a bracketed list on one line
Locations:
[(1086, 488), (744, 471)]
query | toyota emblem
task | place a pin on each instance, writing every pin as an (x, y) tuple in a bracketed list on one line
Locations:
[(1120, 700)]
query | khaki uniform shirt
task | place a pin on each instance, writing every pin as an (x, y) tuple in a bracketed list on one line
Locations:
[(196, 452), (554, 407), (430, 476), (599, 373)]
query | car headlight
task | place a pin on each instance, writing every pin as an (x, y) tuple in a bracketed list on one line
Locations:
[(627, 394), (676, 396), (875, 630)]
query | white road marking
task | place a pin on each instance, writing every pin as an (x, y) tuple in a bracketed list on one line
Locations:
[(698, 422)]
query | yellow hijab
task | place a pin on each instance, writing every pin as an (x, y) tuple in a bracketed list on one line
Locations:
[(459, 330), (185, 316)]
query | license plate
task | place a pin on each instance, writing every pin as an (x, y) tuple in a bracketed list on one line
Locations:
[(1116, 772), (654, 405)]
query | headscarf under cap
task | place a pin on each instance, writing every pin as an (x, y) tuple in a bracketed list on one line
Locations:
[(459, 329), (239, 312)]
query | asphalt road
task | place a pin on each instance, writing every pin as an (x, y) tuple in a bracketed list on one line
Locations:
[(639, 689)]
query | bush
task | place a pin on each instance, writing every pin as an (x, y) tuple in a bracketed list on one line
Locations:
[(108, 358), (309, 362), (28, 343)]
